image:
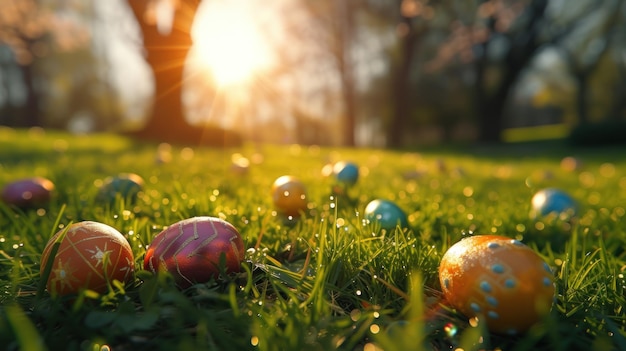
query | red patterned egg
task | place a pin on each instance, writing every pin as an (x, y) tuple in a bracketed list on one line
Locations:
[(191, 250), (289, 196), (28, 193), (499, 280), (90, 256)]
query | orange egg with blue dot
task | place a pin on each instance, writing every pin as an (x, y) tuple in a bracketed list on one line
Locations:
[(500, 280), (289, 196), (90, 255)]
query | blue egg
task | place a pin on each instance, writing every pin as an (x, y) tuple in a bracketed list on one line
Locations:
[(346, 172), (386, 213), (553, 201), (125, 185)]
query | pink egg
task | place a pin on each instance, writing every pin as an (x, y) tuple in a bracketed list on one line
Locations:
[(191, 250)]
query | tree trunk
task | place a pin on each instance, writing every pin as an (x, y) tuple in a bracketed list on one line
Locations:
[(166, 54), (581, 96), (490, 102), (31, 115), (401, 86), (345, 37)]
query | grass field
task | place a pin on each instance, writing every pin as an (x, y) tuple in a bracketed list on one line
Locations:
[(326, 281)]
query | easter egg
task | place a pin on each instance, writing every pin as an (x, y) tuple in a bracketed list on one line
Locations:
[(28, 193), (90, 256), (571, 164), (499, 280), (289, 196), (553, 201), (240, 165), (386, 213), (125, 185), (346, 172), (192, 250)]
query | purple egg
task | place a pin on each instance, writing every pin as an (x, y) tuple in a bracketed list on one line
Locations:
[(28, 193)]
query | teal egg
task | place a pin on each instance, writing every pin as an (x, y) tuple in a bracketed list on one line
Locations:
[(551, 201), (124, 185), (346, 172), (386, 213)]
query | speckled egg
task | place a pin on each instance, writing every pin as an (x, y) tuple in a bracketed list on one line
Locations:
[(346, 172), (28, 193), (499, 280), (289, 196), (386, 213), (191, 250), (553, 201), (124, 185), (89, 256)]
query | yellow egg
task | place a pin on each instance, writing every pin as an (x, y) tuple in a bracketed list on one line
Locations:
[(289, 196)]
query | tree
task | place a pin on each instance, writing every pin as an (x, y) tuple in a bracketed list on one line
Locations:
[(333, 38), (32, 31), (490, 100), (166, 29), (412, 26), (586, 50)]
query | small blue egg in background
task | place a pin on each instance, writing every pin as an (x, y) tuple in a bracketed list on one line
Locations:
[(386, 213), (553, 201), (125, 185), (346, 172)]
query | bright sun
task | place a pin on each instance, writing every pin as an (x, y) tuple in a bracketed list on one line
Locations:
[(227, 41)]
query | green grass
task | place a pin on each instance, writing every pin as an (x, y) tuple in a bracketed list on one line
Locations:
[(326, 281)]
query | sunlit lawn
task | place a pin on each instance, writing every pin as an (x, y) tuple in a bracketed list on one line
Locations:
[(327, 281)]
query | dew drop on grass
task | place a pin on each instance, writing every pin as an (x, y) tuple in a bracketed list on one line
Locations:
[(355, 315), (374, 329), (254, 341), (370, 347), (358, 293), (450, 329)]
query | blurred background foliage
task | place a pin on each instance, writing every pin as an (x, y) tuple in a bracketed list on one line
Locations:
[(396, 73)]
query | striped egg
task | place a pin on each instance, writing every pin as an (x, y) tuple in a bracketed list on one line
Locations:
[(500, 280), (192, 250)]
